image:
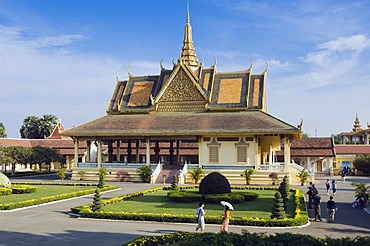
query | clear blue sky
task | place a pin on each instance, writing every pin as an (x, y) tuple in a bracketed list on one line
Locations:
[(60, 57)]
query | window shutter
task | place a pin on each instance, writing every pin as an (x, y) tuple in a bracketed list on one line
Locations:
[(242, 154), (213, 154)]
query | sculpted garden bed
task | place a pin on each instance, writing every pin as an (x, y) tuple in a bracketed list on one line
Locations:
[(155, 205)]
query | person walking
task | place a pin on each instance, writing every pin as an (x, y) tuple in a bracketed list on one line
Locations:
[(225, 219), (201, 213), (327, 185), (334, 186), (331, 208), (316, 207)]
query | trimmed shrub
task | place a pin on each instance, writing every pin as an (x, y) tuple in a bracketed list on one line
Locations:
[(175, 182), (278, 207), (214, 183), (5, 191), (230, 197), (248, 196), (185, 196), (102, 174), (23, 189), (97, 201)]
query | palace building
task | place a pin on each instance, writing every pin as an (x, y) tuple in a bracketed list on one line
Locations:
[(186, 117)]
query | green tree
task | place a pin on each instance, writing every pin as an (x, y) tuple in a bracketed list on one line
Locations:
[(2, 131), (45, 155), (303, 175), (196, 174), (145, 173), (19, 155), (362, 163), (248, 175), (38, 128), (5, 157)]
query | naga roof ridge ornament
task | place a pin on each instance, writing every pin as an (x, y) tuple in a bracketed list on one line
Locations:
[(266, 69), (128, 71), (160, 63), (251, 66)]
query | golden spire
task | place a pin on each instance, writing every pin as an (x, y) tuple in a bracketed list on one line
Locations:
[(357, 125), (188, 55)]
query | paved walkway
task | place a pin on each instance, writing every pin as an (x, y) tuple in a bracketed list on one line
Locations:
[(52, 225)]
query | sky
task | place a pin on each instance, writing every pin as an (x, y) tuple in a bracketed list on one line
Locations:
[(62, 57)]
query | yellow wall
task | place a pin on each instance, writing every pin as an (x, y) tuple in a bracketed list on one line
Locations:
[(343, 158)]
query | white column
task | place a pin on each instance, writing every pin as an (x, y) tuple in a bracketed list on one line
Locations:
[(99, 152), (76, 153), (199, 151), (88, 150), (270, 156), (286, 154), (118, 151), (147, 151)]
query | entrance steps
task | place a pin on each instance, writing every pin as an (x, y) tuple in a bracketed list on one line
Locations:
[(165, 176), (236, 177)]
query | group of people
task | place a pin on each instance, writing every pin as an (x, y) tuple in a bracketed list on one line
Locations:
[(315, 200), (201, 223)]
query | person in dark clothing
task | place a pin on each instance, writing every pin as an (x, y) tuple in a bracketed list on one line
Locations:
[(316, 207), (331, 208)]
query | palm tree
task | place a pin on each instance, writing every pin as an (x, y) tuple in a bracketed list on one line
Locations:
[(145, 173), (248, 175), (196, 174), (303, 176)]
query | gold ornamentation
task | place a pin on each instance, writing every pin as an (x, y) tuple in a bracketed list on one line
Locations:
[(181, 89)]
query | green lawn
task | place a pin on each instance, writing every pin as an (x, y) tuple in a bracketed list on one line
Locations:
[(158, 202), (43, 191)]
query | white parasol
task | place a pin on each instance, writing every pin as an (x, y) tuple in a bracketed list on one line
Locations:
[(227, 204)]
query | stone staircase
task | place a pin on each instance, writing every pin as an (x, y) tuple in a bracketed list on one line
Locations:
[(236, 177), (165, 176)]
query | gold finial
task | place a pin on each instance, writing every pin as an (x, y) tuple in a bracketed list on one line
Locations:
[(188, 55)]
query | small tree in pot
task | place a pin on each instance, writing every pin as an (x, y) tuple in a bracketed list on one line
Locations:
[(248, 175), (274, 177), (303, 176)]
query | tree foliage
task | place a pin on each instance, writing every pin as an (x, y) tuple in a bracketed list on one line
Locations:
[(362, 163), (278, 207), (2, 131), (38, 128), (196, 174)]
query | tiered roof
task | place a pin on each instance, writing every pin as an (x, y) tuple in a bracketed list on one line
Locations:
[(187, 99)]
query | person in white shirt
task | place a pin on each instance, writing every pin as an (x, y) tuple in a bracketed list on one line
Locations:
[(200, 214)]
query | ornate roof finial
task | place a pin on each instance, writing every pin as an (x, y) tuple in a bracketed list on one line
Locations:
[(357, 125), (188, 55), (160, 63)]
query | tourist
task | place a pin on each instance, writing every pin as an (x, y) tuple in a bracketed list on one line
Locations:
[(343, 174), (316, 207), (334, 186), (200, 213), (327, 185), (331, 208), (225, 219)]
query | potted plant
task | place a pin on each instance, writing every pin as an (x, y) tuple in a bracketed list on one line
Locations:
[(274, 177), (196, 174), (62, 173), (82, 174), (248, 175), (303, 175)]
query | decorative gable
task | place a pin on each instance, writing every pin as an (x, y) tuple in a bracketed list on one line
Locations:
[(181, 89), (181, 93)]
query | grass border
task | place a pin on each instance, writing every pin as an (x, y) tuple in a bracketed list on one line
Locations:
[(31, 202)]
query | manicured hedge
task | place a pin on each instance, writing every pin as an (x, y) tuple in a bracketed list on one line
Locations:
[(23, 189), (300, 217), (31, 202), (5, 191), (245, 238)]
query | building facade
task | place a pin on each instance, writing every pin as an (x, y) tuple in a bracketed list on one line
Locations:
[(188, 116)]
